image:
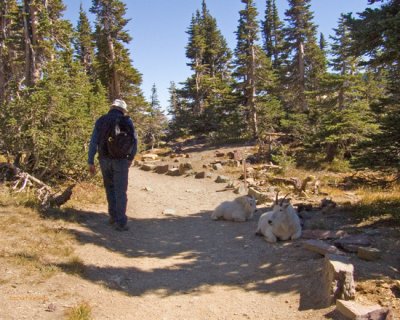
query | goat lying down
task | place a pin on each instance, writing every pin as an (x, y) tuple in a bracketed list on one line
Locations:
[(238, 210), (281, 223)]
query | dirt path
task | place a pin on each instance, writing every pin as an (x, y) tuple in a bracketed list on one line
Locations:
[(186, 266), (181, 265)]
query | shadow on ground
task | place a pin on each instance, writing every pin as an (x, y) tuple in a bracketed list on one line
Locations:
[(203, 253)]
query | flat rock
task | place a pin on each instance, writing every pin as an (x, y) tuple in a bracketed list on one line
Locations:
[(149, 156), (148, 167), (222, 179), (173, 172), (261, 196), (323, 234), (352, 243), (200, 175), (356, 311), (369, 254), (162, 169), (321, 247)]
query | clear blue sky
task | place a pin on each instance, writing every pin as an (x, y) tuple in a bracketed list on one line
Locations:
[(158, 28)]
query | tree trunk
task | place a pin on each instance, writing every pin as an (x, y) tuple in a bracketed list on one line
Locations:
[(114, 85), (32, 65), (251, 103), (331, 151), (301, 81), (3, 35)]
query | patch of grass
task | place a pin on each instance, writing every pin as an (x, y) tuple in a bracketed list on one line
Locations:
[(74, 266), (87, 193), (378, 203), (83, 311)]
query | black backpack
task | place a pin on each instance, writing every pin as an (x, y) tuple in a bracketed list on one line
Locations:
[(120, 138)]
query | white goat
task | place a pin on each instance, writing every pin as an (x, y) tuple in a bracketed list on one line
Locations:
[(238, 210), (281, 223)]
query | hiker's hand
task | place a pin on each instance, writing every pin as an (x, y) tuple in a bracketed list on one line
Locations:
[(92, 169)]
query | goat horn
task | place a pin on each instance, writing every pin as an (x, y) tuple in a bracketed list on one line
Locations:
[(276, 197), (283, 199)]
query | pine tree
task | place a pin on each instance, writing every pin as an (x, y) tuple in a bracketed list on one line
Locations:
[(376, 36), (347, 119), (114, 65), (84, 43), (306, 62), (272, 34), (253, 68), (11, 50)]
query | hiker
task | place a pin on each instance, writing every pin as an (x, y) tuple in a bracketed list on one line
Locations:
[(115, 141)]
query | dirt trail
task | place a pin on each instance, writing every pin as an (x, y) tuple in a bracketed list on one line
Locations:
[(181, 265), (186, 266)]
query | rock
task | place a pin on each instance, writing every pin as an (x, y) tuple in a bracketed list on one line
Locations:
[(356, 311), (352, 243), (174, 172), (217, 166), (233, 163), (321, 247), (187, 156), (51, 307), (322, 234), (185, 167), (137, 163), (219, 154), (237, 155), (261, 196), (169, 212), (149, 156), (338, 279), (148, 167), (148, 189), (240, 190), (222, 179), (200, 175), (162, 169), (369, 254)]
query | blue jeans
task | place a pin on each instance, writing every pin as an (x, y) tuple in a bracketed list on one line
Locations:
[(115, 178)]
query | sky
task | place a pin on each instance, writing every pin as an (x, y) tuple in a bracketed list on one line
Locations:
[(158, 28)]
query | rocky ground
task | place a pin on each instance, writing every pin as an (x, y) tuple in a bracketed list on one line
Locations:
[(176, 263)]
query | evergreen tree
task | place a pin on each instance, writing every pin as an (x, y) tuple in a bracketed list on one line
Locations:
[(347, 119), (376, 36), (180, 115), (84, 43), (322, 42), (253, 68), (114, 65), (306, 62), (156, 123), (272, 34)]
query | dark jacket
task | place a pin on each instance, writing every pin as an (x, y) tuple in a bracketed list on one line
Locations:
[(98, 139)]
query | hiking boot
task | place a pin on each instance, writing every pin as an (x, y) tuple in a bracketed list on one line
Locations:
[(111, 221), (122, 228)]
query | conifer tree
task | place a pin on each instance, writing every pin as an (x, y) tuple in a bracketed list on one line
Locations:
[(84, 43), (376, 36), (306, 63), (114, 65), (347, 119), (272, 33), (253, 68)]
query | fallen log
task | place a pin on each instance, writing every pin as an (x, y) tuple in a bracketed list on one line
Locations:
[(45, 193)]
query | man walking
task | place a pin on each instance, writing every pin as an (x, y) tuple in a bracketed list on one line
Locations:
[(115, 141)]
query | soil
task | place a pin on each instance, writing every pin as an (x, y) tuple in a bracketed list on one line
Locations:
[(179, 264)]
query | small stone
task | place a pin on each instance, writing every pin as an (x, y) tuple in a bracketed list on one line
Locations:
[(219, 154), (369, 254), (240, 190), (162, 169), (321, 247), (174, 172), (222, 179), (149, 189), (51, 307), (217, 166), (200, 175), (149, 156), (148, 167), (185, 167), (169, 212)]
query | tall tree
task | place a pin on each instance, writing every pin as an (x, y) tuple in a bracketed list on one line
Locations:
[(253, 68), (113, 61), (376, 36), (306, 61), (84, 43), (272, 33), (347, 119)]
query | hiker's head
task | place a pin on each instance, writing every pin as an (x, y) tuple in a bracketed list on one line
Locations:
[(120, 105)]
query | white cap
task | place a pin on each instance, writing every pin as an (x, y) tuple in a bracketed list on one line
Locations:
[(120, 104)]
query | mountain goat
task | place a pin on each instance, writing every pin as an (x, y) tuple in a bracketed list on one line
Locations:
[(281, 223), (238, 210)]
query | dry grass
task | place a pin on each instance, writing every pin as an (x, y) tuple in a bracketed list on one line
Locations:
[(378, 203), (83, 311)]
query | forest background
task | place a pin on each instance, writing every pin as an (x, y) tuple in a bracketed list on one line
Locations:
[(337, 104)]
